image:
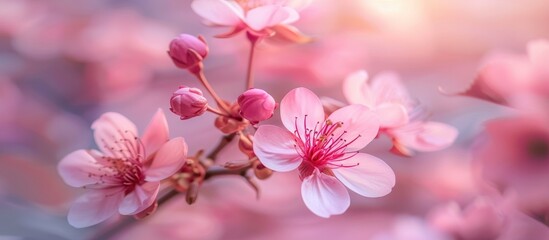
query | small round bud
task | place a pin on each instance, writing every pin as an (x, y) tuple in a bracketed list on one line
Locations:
[(188, 51), (188, 102), (256, 105)]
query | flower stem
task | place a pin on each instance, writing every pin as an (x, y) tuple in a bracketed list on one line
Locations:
[(249, 73), (218, 100), (223, 171), (216, 111), (222, 144)]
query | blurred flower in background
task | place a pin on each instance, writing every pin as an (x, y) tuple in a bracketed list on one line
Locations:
[(62, 64)]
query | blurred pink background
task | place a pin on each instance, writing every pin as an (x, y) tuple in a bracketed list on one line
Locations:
[(64, 63)]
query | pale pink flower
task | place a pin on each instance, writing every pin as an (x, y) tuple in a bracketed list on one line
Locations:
[(481, 219), (325, 150), (124, 176), (399, 115), (513, 154), (515, 80), (260, 17)]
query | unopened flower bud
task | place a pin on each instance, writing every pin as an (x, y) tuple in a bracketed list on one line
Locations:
[(188, 51), (256, 105), (192, 192), (188, 102)]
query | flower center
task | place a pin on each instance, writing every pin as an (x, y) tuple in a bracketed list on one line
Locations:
[(321, 147), (124, 164)]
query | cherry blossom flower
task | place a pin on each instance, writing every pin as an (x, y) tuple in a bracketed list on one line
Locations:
[(260, 17), (125, 174), (513, 154), (515, 80), (325, 151), (481, 219), (399, 114)]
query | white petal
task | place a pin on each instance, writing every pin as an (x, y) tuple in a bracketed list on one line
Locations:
[(116, 136), (220, 12), (170, 157), (139, 199), (388, 88), (270, 15), (392, 114), (95, 206), (324, 195), (372, 177), (357, 90), (80, 168), (157, 133), (276, 148), (359, 125), (300, 108)]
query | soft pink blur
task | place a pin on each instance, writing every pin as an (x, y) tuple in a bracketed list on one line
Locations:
[(64, 63)]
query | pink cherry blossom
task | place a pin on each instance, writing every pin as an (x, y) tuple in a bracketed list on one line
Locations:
[(325, 151), (513, 154), (125, 174), (515, 80), (399, 114), (261, 17), (482, 219)]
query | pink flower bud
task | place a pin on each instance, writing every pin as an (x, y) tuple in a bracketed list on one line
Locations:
[(256, 105), (188, 51), (188, 102)]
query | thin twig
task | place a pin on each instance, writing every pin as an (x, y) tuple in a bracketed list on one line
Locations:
[(222, 144), (249, 73)]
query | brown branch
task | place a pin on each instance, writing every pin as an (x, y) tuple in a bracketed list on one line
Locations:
[(222, 144)]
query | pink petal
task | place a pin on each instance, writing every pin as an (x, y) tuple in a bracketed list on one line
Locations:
[(220, 12), (388, 88), (156, 134), (372, 177), (301, 107), (276, 148), (360, 125), (169, 158), (501, 78), (80, 168), (116, 136), (324, 195), (401, 150), (286, 33), (265, 16), (95, 206), (432, 136), (391, 114), (142, 197), (356, 89)]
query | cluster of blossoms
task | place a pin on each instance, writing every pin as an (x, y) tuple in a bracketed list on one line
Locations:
[(131, 175)]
